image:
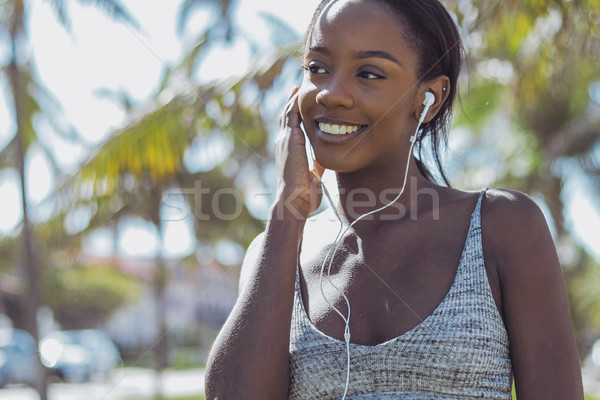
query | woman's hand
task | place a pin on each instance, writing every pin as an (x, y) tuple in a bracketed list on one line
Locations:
[(298, 189)]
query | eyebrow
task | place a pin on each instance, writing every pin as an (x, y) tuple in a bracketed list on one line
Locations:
[(361, 54), (378, 54)]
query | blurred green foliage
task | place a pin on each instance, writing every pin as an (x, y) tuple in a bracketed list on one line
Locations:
[(82, 296), (530, 119)]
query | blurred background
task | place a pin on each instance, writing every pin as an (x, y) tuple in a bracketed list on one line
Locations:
[(136, 166)]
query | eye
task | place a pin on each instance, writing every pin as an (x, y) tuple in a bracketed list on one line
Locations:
[(368, 73), (315, 68)]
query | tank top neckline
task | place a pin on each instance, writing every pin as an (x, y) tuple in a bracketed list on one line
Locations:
[(475, 223)]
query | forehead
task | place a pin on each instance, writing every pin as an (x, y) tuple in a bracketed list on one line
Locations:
[(359, 25)]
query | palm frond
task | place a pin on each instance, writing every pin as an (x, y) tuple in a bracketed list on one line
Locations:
[(114, 9), (60, 10), (30, 107), (120, 97), (154, 146), (282, 32), (266, 68), (195, 55), (220, 29), (186, 9)]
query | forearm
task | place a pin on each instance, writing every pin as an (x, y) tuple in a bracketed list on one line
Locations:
[(249, 359)]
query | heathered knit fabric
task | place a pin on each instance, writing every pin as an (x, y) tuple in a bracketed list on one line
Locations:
[(460, 351)]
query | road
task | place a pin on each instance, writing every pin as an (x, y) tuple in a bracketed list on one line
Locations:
[(140, 383), (591, 381), (125, 383)]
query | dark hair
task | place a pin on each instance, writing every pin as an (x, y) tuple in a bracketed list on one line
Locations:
[(434, 37)]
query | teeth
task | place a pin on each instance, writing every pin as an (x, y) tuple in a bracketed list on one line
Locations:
[(335, 129)]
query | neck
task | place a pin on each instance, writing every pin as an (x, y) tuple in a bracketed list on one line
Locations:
[(369, 189)]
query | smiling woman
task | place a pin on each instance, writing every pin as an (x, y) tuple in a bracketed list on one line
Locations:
[(354, 66), (426, 292)]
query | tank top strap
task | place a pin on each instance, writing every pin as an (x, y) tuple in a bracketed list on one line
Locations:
[(476, 215)]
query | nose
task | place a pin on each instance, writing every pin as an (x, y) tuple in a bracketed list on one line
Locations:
[(335, 94)]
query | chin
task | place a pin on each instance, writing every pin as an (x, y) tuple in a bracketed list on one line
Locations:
[(334, 164)]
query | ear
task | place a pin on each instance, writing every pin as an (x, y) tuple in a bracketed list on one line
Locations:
[(440, 87)]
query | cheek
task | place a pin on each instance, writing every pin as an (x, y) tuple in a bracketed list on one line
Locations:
[(396, 111)]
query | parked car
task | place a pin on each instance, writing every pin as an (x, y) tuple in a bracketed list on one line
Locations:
[(17, 357), (80, 355)]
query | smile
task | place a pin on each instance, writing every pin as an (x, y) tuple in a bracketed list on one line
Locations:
[(335, 129)]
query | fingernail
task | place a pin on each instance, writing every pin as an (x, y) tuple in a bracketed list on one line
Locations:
[(294, 90)]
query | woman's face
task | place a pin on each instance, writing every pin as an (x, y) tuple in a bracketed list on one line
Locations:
[(358, 94)]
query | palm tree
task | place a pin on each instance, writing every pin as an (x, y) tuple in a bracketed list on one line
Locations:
[(131, 170), (134, 168), (25, 105)]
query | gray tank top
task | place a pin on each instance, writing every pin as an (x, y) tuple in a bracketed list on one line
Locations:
[(460, 351)]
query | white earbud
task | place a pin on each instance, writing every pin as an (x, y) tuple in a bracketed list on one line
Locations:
[(429, 99), (428, 102)]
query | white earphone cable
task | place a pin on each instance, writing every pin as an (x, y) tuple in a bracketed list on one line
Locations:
[(340, 235)]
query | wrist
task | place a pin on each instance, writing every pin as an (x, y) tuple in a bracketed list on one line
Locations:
[(290, 207), (282, 219)]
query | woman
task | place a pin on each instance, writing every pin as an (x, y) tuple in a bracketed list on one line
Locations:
[(451, 293)]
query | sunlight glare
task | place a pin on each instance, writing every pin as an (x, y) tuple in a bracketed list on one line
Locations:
[(10, 201)]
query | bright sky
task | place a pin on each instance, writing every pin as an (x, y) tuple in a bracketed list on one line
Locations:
[(103, 54), (100, 53)]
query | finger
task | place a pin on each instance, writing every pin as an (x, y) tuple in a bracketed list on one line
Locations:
[(293, 114), (283, 121)]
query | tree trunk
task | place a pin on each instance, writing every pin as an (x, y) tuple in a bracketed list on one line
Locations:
[(30, 271), (160, 278)]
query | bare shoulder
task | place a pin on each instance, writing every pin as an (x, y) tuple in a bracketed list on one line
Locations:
[(516, 236), (508, 215), (511, 206)]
